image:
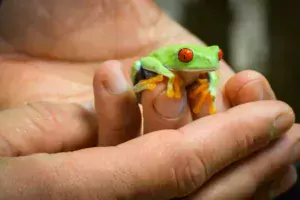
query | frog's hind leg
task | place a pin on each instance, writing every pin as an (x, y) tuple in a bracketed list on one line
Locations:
[(199, 104), (204, 85), (205, 94), (203, 91)]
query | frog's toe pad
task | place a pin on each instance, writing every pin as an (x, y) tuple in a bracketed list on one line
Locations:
[(170, 93), (200, 89), (140, 87), (177, 95), (212, 110), (212, 105), (151, 86)]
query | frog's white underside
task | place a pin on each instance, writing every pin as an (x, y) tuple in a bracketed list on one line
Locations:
[(190, 76)]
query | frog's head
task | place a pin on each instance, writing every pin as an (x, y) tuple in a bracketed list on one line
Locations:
[(198, 58)]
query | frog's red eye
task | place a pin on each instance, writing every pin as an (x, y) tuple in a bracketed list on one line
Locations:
[(185, 55), (220, 54)]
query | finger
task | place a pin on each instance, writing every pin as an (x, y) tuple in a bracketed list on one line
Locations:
[(248, 86), (188, 158), (255, 175), (116, 106), (243, 87), (284, 183), (161, 112), (185, 159), (45, 127), (280, 183), (226, 72), (243, 131), (222, 103)]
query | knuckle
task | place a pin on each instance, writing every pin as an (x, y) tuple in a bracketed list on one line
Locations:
[(186, 166), (43, 121), (42, 117), (244, 142), (247, 141), (7, 148), (33, 123)]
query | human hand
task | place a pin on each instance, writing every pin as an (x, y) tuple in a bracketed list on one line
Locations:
[(162, 164), (76, 78), (267, 173), (48, 42)]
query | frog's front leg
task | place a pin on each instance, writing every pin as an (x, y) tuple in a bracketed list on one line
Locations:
[(148, 84), (213, 87), (154, 65), (143, 79)]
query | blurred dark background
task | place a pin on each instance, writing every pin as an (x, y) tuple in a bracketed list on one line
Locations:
[(262, 35)]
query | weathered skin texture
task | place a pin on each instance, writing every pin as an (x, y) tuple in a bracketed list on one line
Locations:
[(50, 42)]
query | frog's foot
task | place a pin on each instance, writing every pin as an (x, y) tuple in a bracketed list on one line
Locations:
[(204, 85), (170, 93), (204, 91), (199, 104), (154, 80), (140, 87), (149, 84)]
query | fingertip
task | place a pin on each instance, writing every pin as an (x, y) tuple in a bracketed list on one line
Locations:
[(117, 109), (239, 131), (287, 181), (161, 112), (248, 86), (237, 81), (111, 76), (280, 114), (105, 66), (169, 108)]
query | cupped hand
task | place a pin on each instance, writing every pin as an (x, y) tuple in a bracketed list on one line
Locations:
[(63, 44), (191, 162), (263, 175)]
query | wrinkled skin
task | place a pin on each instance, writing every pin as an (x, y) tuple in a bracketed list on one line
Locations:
[(50, 50), (107, 30)]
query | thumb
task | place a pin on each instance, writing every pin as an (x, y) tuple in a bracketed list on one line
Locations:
[(117, 110), (45, 127), (160, 165)]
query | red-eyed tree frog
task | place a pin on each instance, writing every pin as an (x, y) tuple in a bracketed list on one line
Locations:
[(182, 64)]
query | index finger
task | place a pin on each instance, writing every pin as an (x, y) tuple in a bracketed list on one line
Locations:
[(161, 112)]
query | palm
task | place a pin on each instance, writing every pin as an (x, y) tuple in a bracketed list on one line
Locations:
[(88, 34)]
